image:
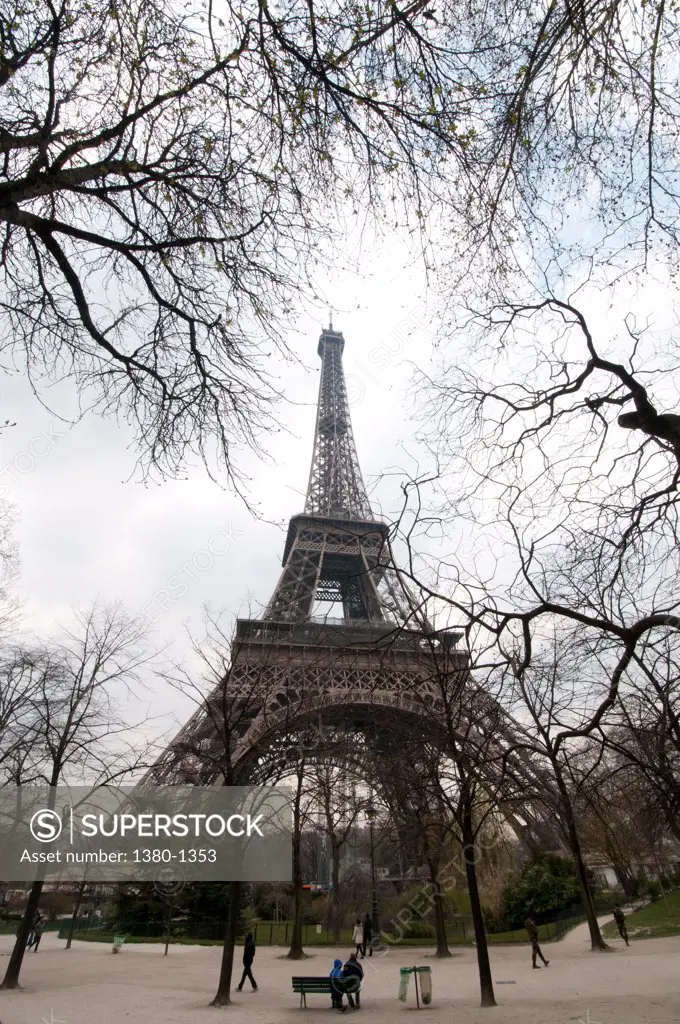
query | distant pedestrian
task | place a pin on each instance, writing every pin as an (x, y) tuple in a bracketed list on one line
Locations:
[(353, 974), (358, 937), (248, 957), (37, 935), (620, 919), (532, 930), (31, 934), (367, 936), (337, 987)]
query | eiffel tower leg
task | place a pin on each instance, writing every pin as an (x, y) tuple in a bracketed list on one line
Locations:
[(292, 600)]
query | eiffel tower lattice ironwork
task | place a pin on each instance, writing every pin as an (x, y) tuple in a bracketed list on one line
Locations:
[(374, 671), (295, 666)]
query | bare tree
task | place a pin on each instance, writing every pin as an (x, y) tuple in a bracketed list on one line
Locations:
[(206, 754), (469, 778), (334, 790), (465, 807), (555, 695), (140, 236), (296, 952), (409, 785), (167, 169), (76, 728), (644, 739), (80, 895), (573, 117), (18, 694), (566, 507), (208, 749)]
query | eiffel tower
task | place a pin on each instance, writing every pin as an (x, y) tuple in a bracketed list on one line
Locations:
[(374, 672), (298, 669)]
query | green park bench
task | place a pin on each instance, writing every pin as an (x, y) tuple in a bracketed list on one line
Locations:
[(312, 986)]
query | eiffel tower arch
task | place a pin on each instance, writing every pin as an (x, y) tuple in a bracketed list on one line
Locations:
[(377, 670)]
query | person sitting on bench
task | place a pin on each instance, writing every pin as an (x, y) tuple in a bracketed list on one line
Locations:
[(353, 974), (336, 986)]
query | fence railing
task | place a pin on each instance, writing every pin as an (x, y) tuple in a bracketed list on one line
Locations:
[(279, 933), (266, 933)]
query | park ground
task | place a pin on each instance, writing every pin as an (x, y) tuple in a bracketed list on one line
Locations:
[(89, 985)]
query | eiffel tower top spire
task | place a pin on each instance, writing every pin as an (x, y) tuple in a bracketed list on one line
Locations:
[(336, 487)]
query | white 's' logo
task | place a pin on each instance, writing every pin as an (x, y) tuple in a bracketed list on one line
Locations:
[(46, 826)]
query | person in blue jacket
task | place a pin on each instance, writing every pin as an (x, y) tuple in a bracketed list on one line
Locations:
[(337, 986)]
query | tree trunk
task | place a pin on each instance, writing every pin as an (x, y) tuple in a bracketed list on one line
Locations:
[(296, 951), (74, 915), (11, 979), (168, 927), (596, 940), (222, 997), (439, 917), (469, 853), (335, 892)]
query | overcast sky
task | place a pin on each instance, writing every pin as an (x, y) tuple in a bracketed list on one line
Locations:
[(88, 531)]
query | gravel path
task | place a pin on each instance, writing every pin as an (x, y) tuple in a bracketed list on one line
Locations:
[(88, 985)]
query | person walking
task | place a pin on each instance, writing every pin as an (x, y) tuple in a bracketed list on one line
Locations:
[(37, 935), (367, 936), (532, 930), (353, 974), (620, 919), (31, 934), (337, 987), (358, 937), (248, 957)]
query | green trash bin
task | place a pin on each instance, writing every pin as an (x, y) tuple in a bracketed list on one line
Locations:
[(423, 984)]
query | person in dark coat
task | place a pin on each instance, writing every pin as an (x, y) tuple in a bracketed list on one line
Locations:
[(31, 934), (37, 935), (353, 974), (368, 936), (337, 986), (620, 919), (535, 948), (248, 957)]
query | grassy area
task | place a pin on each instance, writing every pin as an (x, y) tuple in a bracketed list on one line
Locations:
[(10, 927), (278, 937), (96, 936), (656, 920), (281, 937), (546, 933)]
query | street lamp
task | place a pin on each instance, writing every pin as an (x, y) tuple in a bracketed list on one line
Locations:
[(370, 814)]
